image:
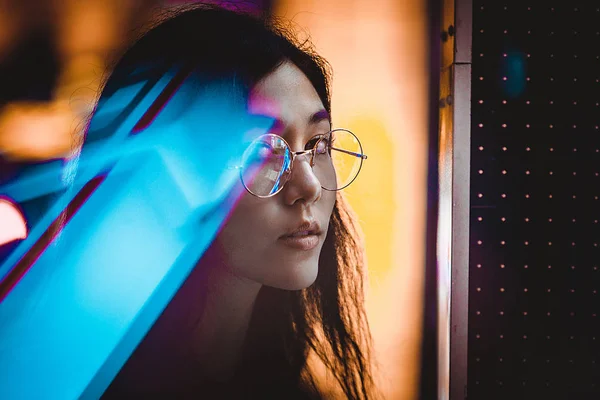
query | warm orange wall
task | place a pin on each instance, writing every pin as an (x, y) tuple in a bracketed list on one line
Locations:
[(378, 51)]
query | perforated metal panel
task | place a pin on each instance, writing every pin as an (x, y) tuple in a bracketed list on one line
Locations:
[(534, 269)]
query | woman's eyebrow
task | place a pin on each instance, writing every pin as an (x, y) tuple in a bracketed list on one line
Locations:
[(319, 116)]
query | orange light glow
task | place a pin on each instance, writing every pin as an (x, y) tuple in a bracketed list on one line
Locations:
[(37, 131), (86, 34)]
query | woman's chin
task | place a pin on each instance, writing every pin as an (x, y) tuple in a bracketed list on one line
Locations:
[(300, 277)]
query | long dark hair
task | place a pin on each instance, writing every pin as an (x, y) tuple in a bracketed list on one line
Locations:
[(328, 318)]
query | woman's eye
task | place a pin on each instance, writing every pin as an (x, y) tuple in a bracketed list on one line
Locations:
[(311, 143), (322, 146), (321, 143)]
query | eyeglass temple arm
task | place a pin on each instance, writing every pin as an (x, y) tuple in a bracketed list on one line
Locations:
[(363, 156)]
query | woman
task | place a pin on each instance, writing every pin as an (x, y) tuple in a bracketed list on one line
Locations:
[(280, 290)]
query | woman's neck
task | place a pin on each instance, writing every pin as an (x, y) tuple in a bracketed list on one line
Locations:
[(200, 335), (221, 325)]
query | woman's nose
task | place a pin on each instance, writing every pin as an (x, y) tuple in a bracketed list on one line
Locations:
[(303, 184)]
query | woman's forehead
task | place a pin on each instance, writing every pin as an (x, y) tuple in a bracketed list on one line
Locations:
[(287, 96)]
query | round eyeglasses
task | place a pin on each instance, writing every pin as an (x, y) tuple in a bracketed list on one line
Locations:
[(335, 157)]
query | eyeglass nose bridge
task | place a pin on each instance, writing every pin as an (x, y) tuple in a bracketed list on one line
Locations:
[(295, 154), (301, 153)]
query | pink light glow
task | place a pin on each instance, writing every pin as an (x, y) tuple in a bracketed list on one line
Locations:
[(12, 223)]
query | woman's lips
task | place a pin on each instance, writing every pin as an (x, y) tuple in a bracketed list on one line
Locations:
[(306, 236), (301, 241)]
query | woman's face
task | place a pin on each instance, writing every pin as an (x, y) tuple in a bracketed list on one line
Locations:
[(255, 241)]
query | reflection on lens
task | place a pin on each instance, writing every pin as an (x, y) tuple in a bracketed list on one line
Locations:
[(337, 167), (264, 163)]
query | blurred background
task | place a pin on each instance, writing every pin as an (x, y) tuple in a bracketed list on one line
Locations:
[(55, 53)]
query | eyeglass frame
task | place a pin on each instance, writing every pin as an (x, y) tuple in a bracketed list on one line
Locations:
[(300, 153)]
